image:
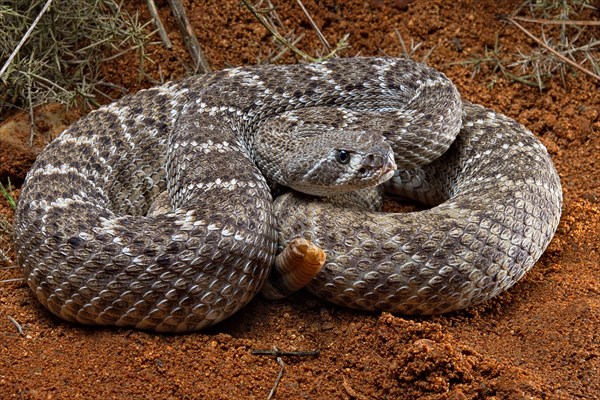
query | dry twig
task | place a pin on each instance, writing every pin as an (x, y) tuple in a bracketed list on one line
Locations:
[(200, 63), (16, 324), (275, 352), (322, 38), (25, 37), (546, 21), (279, 353), (159, 25), (351, 392)]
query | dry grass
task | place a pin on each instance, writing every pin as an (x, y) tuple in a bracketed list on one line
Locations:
[(60, 57), (562, 44), (266, 13)]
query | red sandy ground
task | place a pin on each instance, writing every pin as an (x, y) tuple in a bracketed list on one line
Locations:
[(538, 341)]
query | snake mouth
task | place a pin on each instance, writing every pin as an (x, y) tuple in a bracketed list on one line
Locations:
[(379, 166), (387, 175), (389, 167)]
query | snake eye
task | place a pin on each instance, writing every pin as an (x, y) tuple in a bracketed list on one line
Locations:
[(342, 156)]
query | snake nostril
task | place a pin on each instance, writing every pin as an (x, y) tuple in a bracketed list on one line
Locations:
[(362, 170)]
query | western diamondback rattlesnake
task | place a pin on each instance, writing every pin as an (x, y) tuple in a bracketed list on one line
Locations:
[(95, 250)]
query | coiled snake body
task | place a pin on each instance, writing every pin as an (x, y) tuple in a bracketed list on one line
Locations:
[(95, 250)]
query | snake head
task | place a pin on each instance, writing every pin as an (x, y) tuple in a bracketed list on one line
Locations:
[(323, 151), (335, 162)]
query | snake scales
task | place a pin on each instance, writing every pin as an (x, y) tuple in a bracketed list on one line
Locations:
[(94, 250)]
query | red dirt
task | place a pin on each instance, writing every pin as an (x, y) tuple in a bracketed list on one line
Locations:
[(540, 340)]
